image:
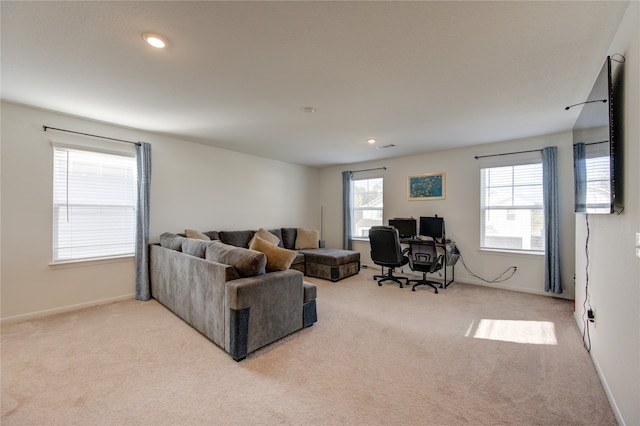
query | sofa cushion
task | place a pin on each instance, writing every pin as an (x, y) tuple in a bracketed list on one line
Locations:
[(171, 241), (278, 258), (194, 247), (247, 263), (265, 235), (212, 234), (236, 238), (278, 233), (289, 238), (307, 239), (192, 233)]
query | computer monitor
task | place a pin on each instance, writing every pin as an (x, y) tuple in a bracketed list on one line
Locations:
[(407, 228), (432, 227)]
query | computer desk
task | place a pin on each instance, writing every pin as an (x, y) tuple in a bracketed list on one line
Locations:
[(443, 246)]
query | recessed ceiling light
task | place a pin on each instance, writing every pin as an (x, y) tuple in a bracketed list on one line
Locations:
[(154, 40), (371, 141)]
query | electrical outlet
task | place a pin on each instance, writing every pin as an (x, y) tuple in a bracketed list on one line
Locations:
[(591, 315), (638, 244)]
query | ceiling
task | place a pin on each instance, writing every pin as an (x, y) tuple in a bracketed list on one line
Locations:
[(422, 76)]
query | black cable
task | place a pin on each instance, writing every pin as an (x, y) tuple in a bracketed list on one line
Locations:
[(586, 338), (498, 279)]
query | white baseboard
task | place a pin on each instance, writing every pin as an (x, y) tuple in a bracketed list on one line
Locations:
[(607, 391), (69, 308)]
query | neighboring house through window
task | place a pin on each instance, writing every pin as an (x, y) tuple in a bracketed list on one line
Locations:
[(94, 204), (367, 206), (511, 209)]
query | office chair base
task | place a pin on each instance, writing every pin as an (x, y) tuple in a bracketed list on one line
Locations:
[(390, 277), (424, 282)]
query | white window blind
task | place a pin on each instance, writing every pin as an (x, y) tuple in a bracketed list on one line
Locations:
[(511, 214), (598, 168), (94, 204), (367, 206)]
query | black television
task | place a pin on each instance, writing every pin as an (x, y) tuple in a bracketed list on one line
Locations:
[(432, 227), (407, 228), (597, 151)]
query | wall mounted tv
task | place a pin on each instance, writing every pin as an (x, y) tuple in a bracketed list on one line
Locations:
[(597, 147)]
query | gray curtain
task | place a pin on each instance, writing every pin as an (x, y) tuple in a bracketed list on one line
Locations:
[(551, 220), (143, 155), (346, 210), (580, 177)]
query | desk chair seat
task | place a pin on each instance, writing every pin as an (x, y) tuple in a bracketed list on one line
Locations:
[(387, 253), (423, 257)]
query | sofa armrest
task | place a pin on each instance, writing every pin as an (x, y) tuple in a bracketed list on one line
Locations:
[(261, 310)]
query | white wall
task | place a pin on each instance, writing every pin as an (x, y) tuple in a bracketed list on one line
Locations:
[(614, 271), (192, 186), (461, 209)]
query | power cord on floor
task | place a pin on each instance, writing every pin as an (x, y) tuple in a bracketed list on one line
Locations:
[(586, 338), (498, 279)]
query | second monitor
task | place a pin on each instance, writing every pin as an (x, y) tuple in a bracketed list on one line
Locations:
[(432, 227), (407, 228)]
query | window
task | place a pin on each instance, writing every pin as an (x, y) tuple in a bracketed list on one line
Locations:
[(511, 215), (598, 169), (94, 204), (367, 206)]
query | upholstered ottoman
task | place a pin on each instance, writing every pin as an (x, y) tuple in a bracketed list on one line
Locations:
[(331, 264)]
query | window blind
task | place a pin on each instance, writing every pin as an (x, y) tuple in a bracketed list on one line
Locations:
[(94, 204), (598, 168), (511, 208), (367, 206)]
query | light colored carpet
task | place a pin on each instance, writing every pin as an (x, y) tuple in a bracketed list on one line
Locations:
[(377, 355)]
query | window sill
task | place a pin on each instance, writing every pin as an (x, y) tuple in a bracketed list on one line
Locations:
[(91, 262), (516, 253)]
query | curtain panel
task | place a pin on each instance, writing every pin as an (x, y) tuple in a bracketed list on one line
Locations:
[(143, 157), (346, 210), (552, 281)]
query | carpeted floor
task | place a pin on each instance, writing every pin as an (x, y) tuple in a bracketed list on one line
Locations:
[(378, 355)]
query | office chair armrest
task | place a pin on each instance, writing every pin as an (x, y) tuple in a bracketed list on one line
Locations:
[(438, 264)]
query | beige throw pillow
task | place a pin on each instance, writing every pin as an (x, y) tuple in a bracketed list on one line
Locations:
[(265, 235), (278, 258), (192, 233), (307, 239)]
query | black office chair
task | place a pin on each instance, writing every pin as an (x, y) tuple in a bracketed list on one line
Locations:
[(423, 257), (387, 252)]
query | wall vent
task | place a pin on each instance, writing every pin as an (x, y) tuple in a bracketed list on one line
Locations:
[(386, 146)]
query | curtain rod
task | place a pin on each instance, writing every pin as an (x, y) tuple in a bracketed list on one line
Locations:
[(593, 143), (524, 152), (367, 170), (507, 153), (45, 128)]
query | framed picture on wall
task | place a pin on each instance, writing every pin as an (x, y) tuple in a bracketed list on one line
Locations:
[(428, 186)]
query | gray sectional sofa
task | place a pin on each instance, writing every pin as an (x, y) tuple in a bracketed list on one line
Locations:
[(226, 293), (312, 260)]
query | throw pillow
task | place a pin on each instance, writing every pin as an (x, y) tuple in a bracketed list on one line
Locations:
[(171, 241), (194, 247), (278, 258), (307, 239), (192, 233), (265, 235), (247, 263)]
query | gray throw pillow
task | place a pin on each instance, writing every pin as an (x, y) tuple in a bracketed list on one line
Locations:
[(194, 247), (247, 263), (171, 241)]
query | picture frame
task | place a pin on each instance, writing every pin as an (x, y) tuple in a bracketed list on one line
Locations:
[(426, 187)]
